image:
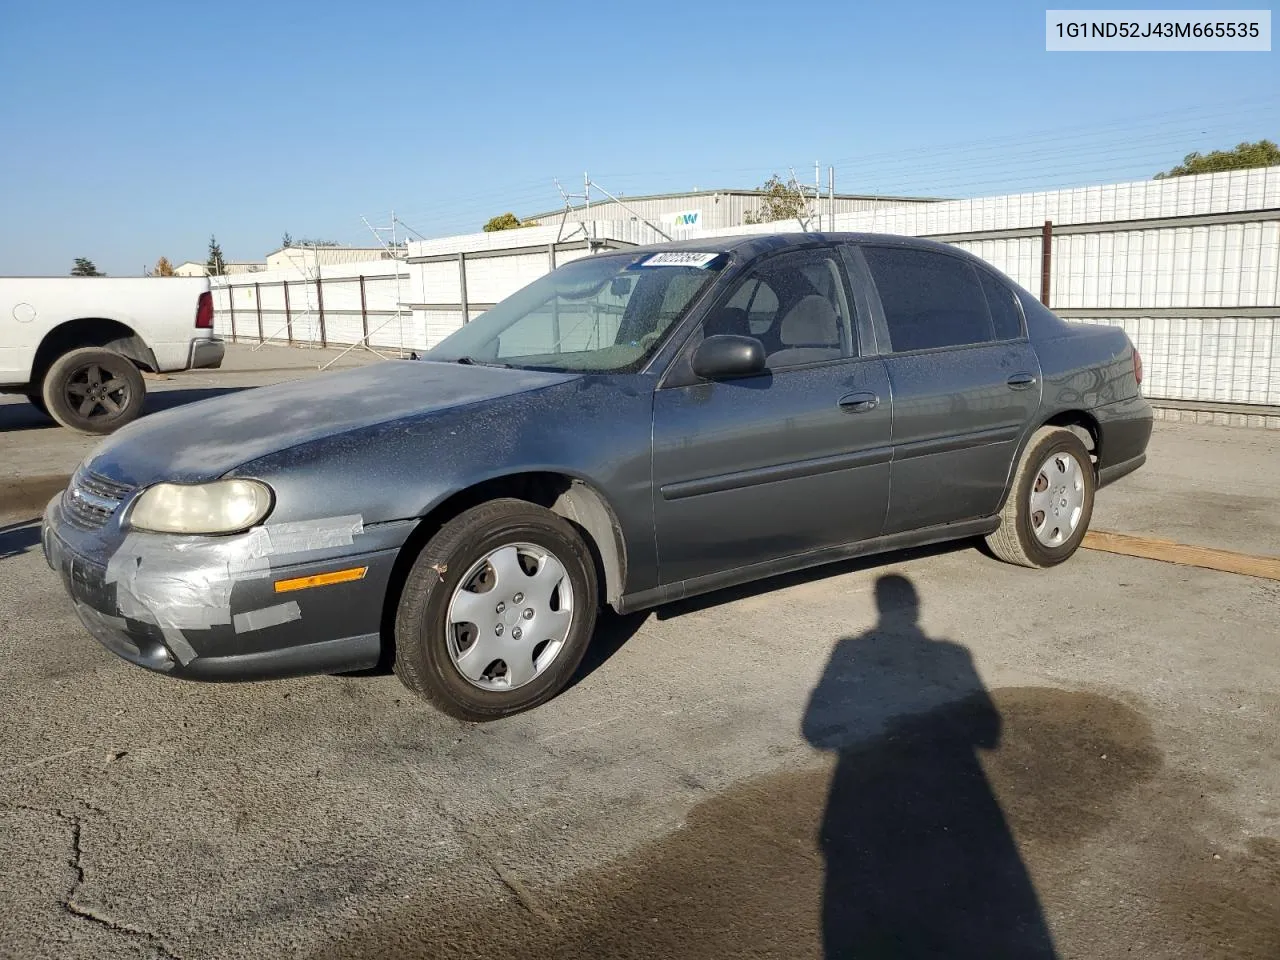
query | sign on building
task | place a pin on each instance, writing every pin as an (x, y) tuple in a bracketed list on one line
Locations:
[(683, 218)]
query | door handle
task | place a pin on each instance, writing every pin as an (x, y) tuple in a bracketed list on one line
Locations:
[(1020, 381), (859, 402)]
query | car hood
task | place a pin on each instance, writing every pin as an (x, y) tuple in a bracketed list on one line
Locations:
[(204, 440)]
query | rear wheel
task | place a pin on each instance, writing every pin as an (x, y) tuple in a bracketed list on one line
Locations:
[(93, 390), (1049, 507), (496, 612)]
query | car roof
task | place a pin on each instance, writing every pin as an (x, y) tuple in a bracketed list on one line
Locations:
[(752, 244)]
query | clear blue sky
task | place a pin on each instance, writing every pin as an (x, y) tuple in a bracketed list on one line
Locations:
[(135, 130)]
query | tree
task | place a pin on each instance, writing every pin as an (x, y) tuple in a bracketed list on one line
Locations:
[(216, 265), (780, 201), (286, 241), (506, 221), (1264, 153), (84, 267), (163, 268)]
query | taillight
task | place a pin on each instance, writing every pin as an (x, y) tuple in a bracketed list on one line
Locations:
[(1137, 366), (204, 311)]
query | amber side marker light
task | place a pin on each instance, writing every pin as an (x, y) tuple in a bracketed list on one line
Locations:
[(321, 579)]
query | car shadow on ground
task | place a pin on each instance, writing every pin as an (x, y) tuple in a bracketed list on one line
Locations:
[(899, 847), (17, 538), (613, 630), (24, 416), (826, 571)]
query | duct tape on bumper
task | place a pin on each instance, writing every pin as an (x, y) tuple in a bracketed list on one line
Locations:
[(183, 583)]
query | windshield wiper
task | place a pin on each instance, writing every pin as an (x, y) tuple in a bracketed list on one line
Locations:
[(473, 362)]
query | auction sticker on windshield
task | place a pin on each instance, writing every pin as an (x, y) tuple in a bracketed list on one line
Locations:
[(679, 258)]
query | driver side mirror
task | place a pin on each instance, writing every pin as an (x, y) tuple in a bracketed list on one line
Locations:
[(723, 356)]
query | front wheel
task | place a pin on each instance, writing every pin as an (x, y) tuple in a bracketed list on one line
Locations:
[(1050, 504), (93, 390), (496, 612)]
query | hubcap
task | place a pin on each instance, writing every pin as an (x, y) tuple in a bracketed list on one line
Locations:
[(1057, 499), (95, 393), (509, 617)]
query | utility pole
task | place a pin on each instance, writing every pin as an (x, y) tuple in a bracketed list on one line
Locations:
[(831, 197)]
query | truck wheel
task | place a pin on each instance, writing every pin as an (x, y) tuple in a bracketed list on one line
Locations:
[(496, 612), (93, 390), (1051, 502)]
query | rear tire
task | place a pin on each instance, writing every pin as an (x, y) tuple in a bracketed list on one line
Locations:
[(527, 581), (1050, 503), (92, 390)]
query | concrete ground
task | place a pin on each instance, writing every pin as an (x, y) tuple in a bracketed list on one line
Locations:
[(927, 753)]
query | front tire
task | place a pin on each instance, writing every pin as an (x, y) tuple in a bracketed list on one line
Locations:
[(496, 612), (92, 390), (1050, 504)]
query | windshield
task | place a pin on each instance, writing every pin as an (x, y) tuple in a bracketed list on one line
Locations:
[(605, 312)]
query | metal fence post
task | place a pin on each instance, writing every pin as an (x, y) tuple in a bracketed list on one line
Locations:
[(551, 255), (257, 298), (231, 306), (324, 339), (288, 316), (462, 287), (364, 315), (1046, 260)]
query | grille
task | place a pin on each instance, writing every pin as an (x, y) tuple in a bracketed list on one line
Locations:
[(92, 498)]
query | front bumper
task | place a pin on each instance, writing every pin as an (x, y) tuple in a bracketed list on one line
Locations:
[(206, 354), (185, 606)]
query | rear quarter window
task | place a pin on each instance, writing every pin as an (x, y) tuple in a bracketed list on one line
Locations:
[(1006, 316)]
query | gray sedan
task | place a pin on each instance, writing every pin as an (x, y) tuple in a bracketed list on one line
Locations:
[(636, 427)]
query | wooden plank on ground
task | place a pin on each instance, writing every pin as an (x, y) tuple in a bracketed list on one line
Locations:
[(1227, 561)]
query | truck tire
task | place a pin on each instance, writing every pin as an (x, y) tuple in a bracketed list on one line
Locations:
[(92, 390)]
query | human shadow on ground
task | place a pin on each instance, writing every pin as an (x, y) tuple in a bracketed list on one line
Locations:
[(919, 858)]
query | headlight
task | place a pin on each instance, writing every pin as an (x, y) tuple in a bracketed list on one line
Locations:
[(223, 506)]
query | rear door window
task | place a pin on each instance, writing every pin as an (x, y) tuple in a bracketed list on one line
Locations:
[(930, 300)]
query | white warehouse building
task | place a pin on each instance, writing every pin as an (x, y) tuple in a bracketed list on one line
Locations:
[(705, 209)]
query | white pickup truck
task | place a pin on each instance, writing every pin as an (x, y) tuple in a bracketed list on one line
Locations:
[(76, 345)]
